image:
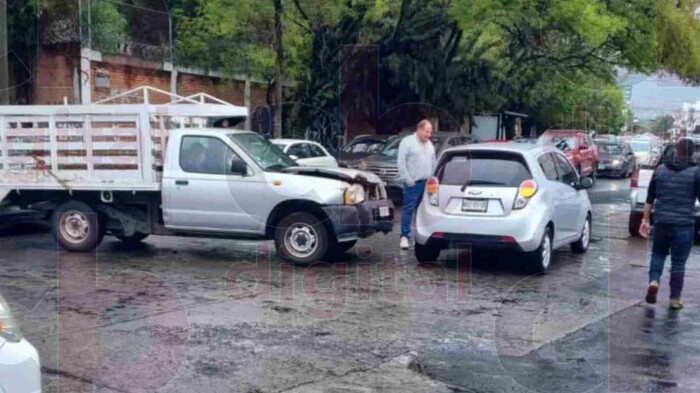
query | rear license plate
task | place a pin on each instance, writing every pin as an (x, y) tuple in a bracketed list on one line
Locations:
[(384, 211), (475, 205), (601, 166)]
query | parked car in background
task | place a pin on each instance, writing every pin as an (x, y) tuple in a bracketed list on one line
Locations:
[(361, 147), (385, 166), (514, 196), (524, 139), (306, 153), (616, 158), (608, 137), (578, 147), (639, 187), (20, 368), (646, 150)]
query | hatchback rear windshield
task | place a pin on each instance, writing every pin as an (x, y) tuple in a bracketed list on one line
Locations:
[(483, 168)]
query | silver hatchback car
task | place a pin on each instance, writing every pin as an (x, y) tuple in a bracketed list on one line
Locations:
[(516, 196)]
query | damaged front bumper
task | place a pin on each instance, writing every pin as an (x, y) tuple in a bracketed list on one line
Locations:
[(352, 222)]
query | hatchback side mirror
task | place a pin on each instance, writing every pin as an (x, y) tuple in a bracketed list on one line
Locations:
[(239, 168), (585, 183), (293, 157)]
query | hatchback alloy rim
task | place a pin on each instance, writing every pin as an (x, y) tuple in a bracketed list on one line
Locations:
[(586, 235), (546, 252), (301, 240), (75, 227)]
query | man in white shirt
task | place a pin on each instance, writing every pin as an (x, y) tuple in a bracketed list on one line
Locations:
[(416, 162)]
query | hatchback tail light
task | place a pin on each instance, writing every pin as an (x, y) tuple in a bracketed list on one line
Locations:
[(431, 188), (634, 180), (527, 190)]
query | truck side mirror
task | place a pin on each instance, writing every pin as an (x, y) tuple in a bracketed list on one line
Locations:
[(239, 168)]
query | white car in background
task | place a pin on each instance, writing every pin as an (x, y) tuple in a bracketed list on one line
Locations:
[(20, 369), (306, 153), (646, 150)]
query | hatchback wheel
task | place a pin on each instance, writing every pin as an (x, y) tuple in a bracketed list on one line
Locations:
[(541, 258), (427, 253), (581, 245)]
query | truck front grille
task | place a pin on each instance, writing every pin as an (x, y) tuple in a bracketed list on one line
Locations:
[(375, 192), (386, 173)]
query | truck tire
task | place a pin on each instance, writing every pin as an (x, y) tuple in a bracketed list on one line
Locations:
[(426, 253), (301, 238), (76, 227), (634, 223), (541, 259), (134, 239)]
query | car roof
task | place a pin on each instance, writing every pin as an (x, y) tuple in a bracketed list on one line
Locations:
[(215, 131), (564, 132), (288, 141), (381, 138), (522, 148)]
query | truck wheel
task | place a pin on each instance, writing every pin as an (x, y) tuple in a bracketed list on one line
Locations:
[(301, 238), (541, 259), (426, 253), (134, 239), (634, 223), (581, 245), (76, 227)]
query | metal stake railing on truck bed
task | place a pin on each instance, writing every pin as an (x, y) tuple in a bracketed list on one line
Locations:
[(106, 146)]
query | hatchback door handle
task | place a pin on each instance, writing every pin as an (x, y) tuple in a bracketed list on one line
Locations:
[(181, 182)]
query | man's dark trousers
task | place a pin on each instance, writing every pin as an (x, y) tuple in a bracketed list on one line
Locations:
[(411, 199), (678, 239)]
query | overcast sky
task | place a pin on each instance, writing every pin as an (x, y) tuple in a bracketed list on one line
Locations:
[(656, 95)]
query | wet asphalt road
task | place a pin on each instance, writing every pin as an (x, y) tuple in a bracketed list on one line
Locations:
[(182, 315)]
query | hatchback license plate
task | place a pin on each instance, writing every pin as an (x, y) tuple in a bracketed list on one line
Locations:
[(601, 166), (474, 205), (384, 211)]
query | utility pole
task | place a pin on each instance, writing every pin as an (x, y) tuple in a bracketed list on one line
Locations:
[(4, 56), (278, 68)]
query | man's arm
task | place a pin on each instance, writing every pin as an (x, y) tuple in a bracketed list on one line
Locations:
[(651, 197), (401, 163), (697, 184)]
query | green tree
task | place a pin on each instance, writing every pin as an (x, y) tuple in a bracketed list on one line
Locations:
[(662, 124)]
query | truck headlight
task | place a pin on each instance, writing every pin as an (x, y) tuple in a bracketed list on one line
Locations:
[(8, 326), (354, 194)]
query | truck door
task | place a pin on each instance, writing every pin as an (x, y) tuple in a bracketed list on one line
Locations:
[(208, 188)]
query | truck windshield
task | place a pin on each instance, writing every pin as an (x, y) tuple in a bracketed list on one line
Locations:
[(266, 155)]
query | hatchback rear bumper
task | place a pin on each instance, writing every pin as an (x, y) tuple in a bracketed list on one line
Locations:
[(521, 230), (480, 242)]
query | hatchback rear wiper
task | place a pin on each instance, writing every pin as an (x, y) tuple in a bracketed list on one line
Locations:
[(480, 182)]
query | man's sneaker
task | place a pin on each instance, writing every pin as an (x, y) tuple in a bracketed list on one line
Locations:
[(405, 244), (652, 291), (675, 304)]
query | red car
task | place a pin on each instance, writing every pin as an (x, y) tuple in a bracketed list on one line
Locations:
[(578, 146)]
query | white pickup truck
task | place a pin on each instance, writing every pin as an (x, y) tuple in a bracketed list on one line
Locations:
[(134, 170), (639, 187)]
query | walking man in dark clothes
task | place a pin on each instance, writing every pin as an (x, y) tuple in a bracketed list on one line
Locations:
[(674, 188)]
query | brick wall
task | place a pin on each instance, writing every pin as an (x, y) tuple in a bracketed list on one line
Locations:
[(57, 66), (124, 77), (54, 75)]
